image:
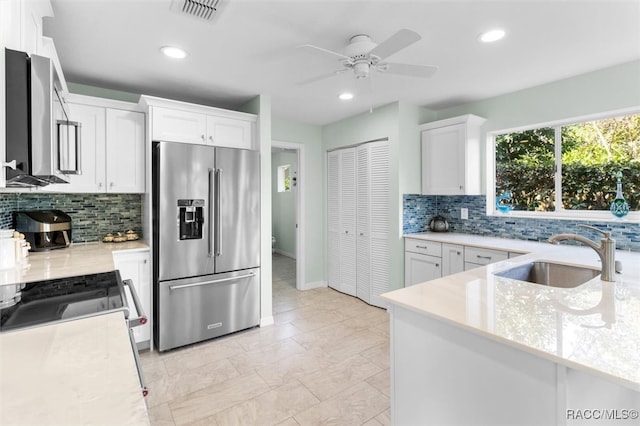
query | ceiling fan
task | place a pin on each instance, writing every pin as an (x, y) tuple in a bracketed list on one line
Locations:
[(362, 55)]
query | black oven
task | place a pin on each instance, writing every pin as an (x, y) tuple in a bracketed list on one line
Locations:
[(63, 299)]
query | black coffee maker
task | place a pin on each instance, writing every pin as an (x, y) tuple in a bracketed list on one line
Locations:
[(44, 229)]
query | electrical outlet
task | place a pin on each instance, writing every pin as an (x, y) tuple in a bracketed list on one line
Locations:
[(464, 213)]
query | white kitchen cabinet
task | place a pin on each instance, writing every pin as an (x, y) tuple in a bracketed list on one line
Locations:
[(474, 257), (187, 126), (111, 151), (422, 261), (452, 259), (451, 156), (358, 220), (136, 266), (125, 168)]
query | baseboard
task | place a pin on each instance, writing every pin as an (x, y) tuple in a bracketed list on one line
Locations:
[(266, 321), (284, 253), (314, 284)]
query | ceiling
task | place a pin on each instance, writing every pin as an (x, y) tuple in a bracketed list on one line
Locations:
[(252, 47)]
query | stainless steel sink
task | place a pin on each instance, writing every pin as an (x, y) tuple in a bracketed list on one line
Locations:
[(551, 274)]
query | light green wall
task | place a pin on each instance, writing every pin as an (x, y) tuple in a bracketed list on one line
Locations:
[(310, 137), (596, 92), (599, 91), (100, 92), (261, 105), (283, 205)]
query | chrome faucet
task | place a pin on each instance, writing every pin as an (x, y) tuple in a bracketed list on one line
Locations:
[(606, 250)]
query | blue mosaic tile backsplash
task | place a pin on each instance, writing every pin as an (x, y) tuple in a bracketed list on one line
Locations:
[(92, 215), (419, 209)]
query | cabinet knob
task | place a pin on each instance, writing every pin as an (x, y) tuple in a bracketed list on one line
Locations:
[(111, 184), (211, 139), (202, 137), (346, 232), (362, 234), (99, 184), (461, 187)]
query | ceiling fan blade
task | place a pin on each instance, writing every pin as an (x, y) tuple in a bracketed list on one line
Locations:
[(395, 43), (423, 71), (331, 52), (320, 77)]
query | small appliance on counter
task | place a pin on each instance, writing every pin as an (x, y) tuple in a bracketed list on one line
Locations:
[(438, 224), (44, 229)]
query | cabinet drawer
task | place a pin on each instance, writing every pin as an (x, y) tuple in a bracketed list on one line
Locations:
[(423, 247), (482, 256)]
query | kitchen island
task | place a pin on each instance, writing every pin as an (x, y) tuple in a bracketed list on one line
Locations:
[(474, 348)]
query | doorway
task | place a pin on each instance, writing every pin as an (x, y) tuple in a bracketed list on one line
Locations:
[(287, 194)]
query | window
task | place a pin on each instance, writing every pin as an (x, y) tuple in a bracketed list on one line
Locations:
[(284, 178), (569, 169)]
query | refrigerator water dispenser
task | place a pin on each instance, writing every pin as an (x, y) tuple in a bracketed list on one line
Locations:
[(190, 219)]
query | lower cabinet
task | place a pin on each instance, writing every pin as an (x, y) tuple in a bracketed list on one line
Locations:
[(426, 260), (422, 261), (136, 266), (475, 257)]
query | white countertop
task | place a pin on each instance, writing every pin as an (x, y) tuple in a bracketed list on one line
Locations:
[(71, 373), (77, 259), (594, 327)]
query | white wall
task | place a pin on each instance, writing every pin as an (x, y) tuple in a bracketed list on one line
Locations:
[(283, 205)]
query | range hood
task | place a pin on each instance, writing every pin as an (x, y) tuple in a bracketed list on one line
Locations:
[(39, 137)]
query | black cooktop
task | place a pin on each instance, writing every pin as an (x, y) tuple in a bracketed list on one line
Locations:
[(62, 299)]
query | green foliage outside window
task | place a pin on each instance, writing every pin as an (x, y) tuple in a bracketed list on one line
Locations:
[(592, 153)]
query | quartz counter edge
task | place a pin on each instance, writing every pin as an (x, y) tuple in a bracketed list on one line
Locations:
[(77, 259), (447, 298)]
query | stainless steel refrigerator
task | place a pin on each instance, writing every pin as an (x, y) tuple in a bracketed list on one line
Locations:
[(206, 242)]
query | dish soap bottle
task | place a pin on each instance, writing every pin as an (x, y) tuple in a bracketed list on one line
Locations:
[(619, 206)]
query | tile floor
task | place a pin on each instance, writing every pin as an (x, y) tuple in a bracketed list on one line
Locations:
[(325, 361)]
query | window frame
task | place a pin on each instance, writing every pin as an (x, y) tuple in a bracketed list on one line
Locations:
[(563, 214)]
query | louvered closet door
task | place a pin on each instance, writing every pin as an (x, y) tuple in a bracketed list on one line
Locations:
[(363, 240), (379, 204), (333, 219), (348, 221)]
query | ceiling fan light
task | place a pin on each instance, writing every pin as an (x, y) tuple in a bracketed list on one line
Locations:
[(173, 52), (346, 96), (491, 36)]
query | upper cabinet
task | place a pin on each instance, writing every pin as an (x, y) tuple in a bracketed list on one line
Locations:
[(451, 156), (188, 123), (111, 148)]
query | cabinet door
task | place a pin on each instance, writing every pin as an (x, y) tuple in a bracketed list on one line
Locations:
[(419, 268), (443, 160), (452, 259), (178, 126), (125, 165), (92, 146), (229, 132), (135, 266)]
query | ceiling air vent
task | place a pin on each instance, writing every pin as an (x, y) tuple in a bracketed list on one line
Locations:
[(204, 9)]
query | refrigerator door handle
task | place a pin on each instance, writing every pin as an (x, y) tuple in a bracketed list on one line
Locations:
[(222, 280), (210, 215), (218, 213)]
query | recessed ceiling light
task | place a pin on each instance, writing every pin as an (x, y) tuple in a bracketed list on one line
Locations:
[(491, 36), (346, 96), (173, 52)]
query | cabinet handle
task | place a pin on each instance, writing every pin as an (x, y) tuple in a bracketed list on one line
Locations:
[(437, 265), (422, 247), (458, 253), (483, 257), (361, 234), (461, 187)]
